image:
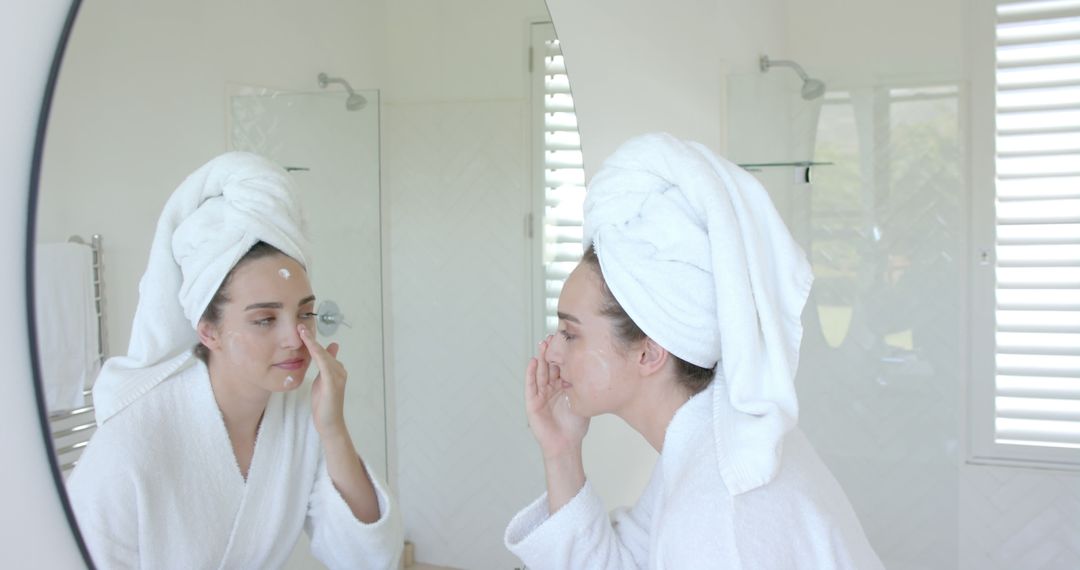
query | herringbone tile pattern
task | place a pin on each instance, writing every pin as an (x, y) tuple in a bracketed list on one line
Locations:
[(1019, 518), (456, 176)]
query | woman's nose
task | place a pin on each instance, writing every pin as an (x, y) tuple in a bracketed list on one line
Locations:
[(291, 337), (556, 345)]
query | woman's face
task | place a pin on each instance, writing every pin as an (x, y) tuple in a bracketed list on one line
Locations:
[(257, 340), (598, 373)]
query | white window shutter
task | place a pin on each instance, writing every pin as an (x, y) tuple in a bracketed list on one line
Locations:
[(563, 180), (1037, 224)]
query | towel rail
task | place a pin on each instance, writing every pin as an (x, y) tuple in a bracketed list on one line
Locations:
[(72, 429)]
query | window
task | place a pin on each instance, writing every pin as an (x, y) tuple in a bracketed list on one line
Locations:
[(1035, 394), (560, 177)]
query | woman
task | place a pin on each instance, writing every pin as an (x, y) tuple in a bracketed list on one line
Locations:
[(683, 318), (208, 453)]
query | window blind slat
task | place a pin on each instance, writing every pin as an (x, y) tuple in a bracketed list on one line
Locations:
[(564, 176), (1039, 212), (1017, 234), (1039, 300), (1038, 387), (1071, 151), (1040, 142), (564, 139), (1035, 39), (1038, 409), (1011, 430), (1038, 321), (1021, 122), (1038, 364), (1007, 17), (1033, 63), (556, 84), (554, 65), (1067, 255)]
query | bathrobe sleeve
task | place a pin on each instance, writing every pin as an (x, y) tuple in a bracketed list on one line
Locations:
[(581, 534), (339, 540)]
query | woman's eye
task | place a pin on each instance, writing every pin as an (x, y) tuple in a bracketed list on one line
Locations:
[(263, 322), (308, 316), (566, 335)]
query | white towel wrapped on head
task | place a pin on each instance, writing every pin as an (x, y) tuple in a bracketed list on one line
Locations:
[(216, 215), (695, 252)]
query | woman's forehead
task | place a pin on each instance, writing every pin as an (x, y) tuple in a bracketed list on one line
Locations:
[(582, 293), (278, 276)]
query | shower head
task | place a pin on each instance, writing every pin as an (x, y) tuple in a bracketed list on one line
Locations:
[(811, 89), (355, 100)]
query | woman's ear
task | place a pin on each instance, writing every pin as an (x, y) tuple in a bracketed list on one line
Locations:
[(208, 335), (653, 357)]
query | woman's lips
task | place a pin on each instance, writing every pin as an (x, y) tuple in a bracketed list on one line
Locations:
[(294, 364), (566, 385)]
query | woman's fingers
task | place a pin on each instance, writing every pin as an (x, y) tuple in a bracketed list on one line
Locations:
[(530, 380), (542, 380), (318, 353), (325, 358)]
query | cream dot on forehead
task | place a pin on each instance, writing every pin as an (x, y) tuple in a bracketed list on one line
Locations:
[(284, 273)]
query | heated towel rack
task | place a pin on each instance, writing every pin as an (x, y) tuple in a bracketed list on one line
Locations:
[(71, 429)]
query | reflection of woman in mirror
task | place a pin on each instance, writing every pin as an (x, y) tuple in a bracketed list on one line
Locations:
[(212, 456), (683, 319)]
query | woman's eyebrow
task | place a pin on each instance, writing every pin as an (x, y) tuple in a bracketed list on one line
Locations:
[(275, 305), (263, 306), (568, 317)]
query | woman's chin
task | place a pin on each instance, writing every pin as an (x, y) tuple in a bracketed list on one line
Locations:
[(286, 383), (577, 407)]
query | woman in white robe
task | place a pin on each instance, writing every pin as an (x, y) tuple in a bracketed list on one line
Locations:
[(683, 249), (214, 456)]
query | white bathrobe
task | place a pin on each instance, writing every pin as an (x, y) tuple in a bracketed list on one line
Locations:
[(687, 519), (159, 487)]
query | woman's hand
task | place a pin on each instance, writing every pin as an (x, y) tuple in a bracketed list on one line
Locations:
[(328, 389), (344, 466), (556, 427)]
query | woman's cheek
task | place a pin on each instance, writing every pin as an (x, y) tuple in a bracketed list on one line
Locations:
[(237, 347)]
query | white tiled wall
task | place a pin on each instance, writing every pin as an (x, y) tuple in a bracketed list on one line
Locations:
[(1019, 518), (456, 177)]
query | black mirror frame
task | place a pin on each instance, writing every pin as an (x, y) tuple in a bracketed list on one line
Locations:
[(31, 233)]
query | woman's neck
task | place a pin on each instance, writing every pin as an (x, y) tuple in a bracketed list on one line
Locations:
[(650, 413), (242, 404)]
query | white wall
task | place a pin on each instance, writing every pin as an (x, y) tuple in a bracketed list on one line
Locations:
[(654, 66)]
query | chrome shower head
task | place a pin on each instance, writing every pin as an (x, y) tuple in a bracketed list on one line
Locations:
[(811, 89), (354, 102)]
